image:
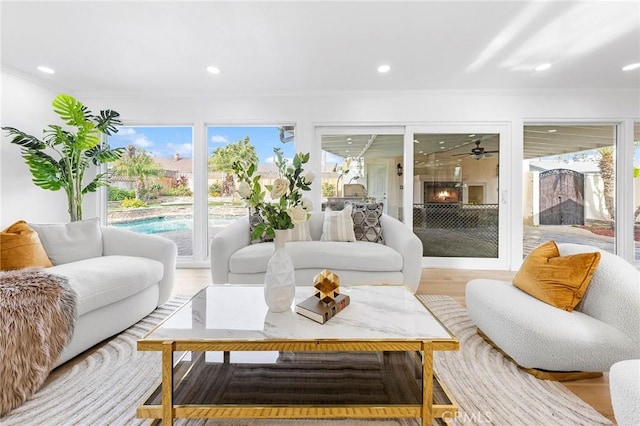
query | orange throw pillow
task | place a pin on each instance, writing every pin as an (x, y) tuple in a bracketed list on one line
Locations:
[(560, 281), (20, 247)]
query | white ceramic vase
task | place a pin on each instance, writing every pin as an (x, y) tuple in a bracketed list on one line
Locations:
[(279, 280)]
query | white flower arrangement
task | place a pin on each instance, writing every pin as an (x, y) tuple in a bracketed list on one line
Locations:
[(287, 207)]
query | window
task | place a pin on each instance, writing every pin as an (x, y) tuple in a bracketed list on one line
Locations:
[(152, 184), (226, 144)]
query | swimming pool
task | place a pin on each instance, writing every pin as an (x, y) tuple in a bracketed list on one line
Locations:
[(160, 225)]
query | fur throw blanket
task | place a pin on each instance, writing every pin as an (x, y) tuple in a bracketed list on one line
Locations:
[(37, 317)]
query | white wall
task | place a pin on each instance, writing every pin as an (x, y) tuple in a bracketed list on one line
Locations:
[(27, 107)]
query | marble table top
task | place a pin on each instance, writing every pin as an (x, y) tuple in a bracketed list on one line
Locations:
[(239, 312)]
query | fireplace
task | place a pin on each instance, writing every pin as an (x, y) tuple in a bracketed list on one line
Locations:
[(442, 192)]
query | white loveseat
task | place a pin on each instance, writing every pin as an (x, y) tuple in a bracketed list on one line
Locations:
[(398, 261), (603, 329), (120, 276)]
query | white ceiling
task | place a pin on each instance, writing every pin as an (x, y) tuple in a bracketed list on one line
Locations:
[(161, 48)]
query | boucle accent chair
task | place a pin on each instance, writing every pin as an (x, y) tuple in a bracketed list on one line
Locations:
[(624, 384), (398, 261), (603, 329)]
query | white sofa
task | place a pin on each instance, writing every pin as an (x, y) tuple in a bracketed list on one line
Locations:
[(120, 276), (604, 327), (398, 261)]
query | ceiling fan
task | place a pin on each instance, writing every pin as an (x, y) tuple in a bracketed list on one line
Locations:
[(478, 152)]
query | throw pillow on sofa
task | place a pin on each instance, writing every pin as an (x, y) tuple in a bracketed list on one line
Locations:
[(299, 232), (70, 242), (20, 247), (338, 226), (255, 218), (367, 221), (559, 281)]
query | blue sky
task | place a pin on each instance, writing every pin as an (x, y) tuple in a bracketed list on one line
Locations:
[(165, 141)]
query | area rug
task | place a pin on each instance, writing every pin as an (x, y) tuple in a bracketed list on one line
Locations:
[(106, 387)]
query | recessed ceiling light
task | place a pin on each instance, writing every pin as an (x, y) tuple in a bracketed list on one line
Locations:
[(631, 67), (442, 147), (420, 152), (543, 67), (349, 142), (441, 142), (416, 141), (384, 68), (213, 70), (552, 130), (46, 70), (471, 135)]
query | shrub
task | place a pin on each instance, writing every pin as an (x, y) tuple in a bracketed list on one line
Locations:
[(132, 203), (328, 189), (178, 191), (215, 189), (118, 194)]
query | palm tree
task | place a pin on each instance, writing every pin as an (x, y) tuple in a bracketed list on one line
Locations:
[(137, 164), (607, 171)]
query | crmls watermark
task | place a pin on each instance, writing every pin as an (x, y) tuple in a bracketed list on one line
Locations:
[(477, 418)]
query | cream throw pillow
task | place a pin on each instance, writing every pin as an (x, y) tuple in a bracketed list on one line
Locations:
[(70, 242), (299, 232), (338, 226)]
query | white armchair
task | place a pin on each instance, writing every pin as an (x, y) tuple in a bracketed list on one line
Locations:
[(604, 327)]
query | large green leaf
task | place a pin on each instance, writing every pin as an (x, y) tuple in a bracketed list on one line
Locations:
[(98, 181), (44, 169), (104, 154), (107, 121), (24, 140), (70, 109), (56, 135), (87, 136)]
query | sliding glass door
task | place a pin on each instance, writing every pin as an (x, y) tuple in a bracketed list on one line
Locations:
[(362, 164), (570, 176), (636, 194), (458, 199)]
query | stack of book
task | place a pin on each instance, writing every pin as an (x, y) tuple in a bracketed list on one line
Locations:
[(319, 311)]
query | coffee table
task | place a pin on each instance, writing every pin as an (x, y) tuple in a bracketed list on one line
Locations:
[(207, 347)]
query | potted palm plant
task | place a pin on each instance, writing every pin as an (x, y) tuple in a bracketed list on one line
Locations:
[(61, 158)]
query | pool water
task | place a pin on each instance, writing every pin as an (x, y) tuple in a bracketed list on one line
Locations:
[(159, 225)]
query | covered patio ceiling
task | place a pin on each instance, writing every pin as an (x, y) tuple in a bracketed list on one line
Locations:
[(539, 141)]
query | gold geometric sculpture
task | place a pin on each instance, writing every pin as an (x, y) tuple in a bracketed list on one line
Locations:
[(327, 285)]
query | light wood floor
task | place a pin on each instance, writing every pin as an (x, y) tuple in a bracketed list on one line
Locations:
[(450, 282)]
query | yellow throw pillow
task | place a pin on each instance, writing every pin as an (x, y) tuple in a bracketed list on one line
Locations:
[(560, 281), (20, 247)]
